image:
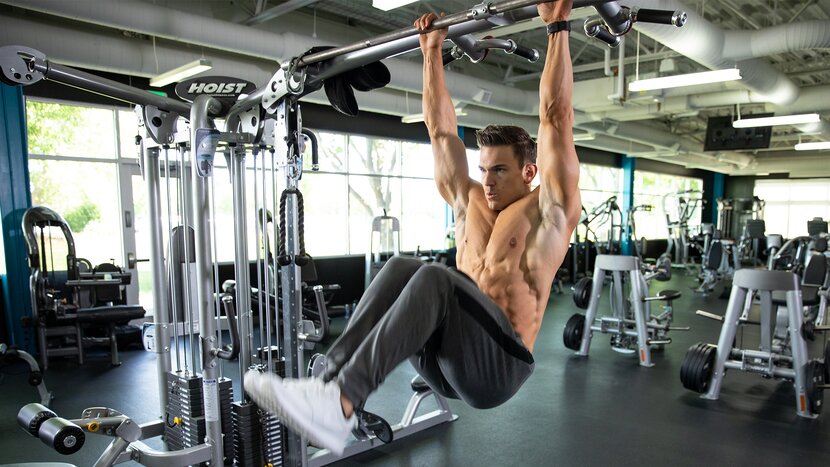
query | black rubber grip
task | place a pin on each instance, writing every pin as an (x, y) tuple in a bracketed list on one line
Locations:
[(608, 38), (447, 57), (526, 52), (675, 18)]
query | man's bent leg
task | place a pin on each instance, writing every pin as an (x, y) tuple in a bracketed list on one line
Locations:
[(404, 330), (378, 298)]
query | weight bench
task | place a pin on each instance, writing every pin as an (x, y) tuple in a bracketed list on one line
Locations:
[(704, 365), (631, 323)]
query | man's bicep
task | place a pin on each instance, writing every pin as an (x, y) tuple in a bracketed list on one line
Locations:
[(452, 174), (559, 196)]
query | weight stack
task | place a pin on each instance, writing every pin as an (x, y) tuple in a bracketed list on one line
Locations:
[(184, 395), (257, 436), (186, 402)]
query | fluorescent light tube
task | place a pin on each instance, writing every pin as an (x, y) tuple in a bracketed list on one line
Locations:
[(773, 121), (584, 137), (812, 146), (415, 118), (387, 5), (183, 72), (691, 79)]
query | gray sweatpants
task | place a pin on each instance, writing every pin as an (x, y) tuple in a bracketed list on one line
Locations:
[(456, 337)]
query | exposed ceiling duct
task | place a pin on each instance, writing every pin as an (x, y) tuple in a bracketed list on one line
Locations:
[(251, 53)]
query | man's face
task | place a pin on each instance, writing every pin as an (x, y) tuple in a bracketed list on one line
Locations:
[(503, 179)]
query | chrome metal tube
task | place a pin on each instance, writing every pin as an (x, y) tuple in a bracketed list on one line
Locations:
[(161, 319), (241, 263), (202, 107)]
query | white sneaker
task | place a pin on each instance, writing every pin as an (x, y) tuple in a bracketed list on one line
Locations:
[(310, 407)]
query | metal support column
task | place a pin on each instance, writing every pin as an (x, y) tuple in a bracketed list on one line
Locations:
[(161, 317), (15, 198), (629, 164), (203, 146)]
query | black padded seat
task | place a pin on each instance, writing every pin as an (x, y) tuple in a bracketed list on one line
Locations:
[(669, 295), (118, 314), (809, 296)]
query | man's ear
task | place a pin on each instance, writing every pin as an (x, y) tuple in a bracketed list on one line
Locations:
[(529, 172)]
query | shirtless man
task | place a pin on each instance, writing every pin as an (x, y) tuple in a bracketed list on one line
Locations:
[(469, 332)]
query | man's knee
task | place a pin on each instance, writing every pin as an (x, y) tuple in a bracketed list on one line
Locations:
[(402, 263)]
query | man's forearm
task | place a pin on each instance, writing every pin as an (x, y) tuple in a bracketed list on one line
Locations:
[(556, 83), (439, 114)]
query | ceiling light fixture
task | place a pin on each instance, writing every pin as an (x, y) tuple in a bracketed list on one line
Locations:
[(799, 119), (416, 118), (812, 146), (387, 5), (183, 72), (691, 79), (587, 136)]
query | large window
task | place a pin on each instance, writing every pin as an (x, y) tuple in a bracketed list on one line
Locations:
[(73, 170), (597, 184), (667, 194), (791, 203), (361, 178)]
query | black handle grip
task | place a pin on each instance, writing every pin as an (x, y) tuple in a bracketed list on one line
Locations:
[(227, 303), (674, 18), (525, 52), (448, 57), (315, 156), (324, 316), (605, 36)]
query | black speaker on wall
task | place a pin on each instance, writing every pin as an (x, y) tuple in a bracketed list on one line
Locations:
[(721, 136)]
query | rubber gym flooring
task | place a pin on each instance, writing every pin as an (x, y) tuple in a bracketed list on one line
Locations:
[(603, 410)]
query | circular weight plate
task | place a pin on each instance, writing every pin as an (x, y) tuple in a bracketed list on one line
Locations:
[(582, 292), (572, 335), (689, 368), (814, 383), (704, 371), (316, 365)]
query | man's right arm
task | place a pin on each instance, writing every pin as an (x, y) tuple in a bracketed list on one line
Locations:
[(451, 170)]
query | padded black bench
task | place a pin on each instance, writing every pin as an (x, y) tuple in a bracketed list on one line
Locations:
[(109, 316)]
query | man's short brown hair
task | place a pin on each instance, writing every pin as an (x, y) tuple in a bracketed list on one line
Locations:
[(509, 135)]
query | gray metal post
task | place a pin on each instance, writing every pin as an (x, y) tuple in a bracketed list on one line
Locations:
[(161, 318), (591, 313), (798, 346), (640, 315), (241, 263), (727, 335), (291, 294), (200, 147)]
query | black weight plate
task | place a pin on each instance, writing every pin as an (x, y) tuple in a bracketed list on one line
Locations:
[(689, 361), (692, 362), (704, 374), (572, 335), (582, 292)]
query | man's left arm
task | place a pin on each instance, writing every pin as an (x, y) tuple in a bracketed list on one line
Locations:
[(559, 198)]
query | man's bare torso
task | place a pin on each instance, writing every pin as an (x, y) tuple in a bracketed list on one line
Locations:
[(512, 256)]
